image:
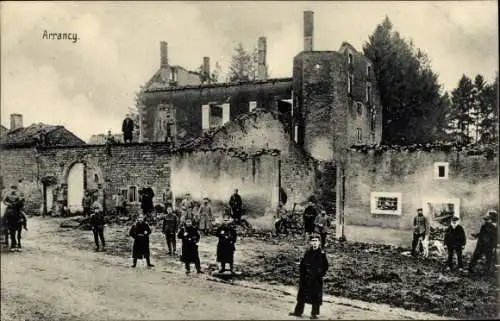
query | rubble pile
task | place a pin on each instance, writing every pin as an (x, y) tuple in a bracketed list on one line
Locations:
[(379, 273)]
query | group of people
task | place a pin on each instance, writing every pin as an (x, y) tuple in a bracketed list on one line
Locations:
[(185, 225), (188, 233), (14, 219), (314, 220), (455, 240)]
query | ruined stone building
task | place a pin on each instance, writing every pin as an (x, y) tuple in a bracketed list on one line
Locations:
[(316, 133)]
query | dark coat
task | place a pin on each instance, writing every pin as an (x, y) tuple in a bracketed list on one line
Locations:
[(225, 248), (313, 268), (235, 202), (13, 215), (487, 237), (128, 126), (147, 199), (97, 220), (140, 232), (190, 238), (454, 237)]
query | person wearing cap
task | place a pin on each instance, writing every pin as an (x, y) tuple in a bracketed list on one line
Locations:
[(321, 224), (486, 242), (190, 238), (170, 224), (97, 222), (205, 217), (455, 240), (12, 215), (225, 248), (236, 204), (420, 230), (86, 203), (188, 203), (140, 232), (313, 268)]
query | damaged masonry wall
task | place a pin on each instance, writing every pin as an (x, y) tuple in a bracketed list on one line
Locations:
[(472, 178), (135, 165)]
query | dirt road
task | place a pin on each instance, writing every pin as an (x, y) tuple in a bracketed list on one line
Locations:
[(52, 280)]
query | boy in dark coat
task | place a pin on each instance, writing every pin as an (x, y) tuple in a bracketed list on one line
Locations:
[(455, 240), (486, 242), (170, 223), (140, 232), (190, 238), (313, 268), (225, 248)]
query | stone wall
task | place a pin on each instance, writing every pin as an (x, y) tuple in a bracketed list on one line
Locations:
[(20, 165), (262, 130), (215, 172), (473, 179)]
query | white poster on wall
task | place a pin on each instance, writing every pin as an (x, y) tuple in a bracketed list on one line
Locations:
[(386, 203), (437, 209)]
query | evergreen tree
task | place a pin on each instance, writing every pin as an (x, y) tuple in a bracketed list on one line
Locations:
[(413, 108), (243, 65), (463, 102), (488, 126)]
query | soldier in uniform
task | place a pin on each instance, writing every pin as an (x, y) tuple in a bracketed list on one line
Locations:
[(170, 223), (190, 238), (486, 242), (205, 217), (322, 223), (313, 268), (97, 221), (225, 248), (140, 232), (310, 214)]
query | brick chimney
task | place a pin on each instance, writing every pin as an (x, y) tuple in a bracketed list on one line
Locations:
[(206, 67), (261, 68), (16, 121), (164, 68), (163, 54), (308, 30)]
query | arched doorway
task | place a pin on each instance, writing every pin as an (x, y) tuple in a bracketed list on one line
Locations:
[(76, 188)]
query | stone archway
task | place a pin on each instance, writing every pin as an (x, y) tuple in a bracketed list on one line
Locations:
[(76, 187)]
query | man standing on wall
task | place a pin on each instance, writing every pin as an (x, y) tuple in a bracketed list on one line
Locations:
[(310, 214), (236, 205), (170, 223), (455, 240), (128, 129), (420, 231), (147, 195)]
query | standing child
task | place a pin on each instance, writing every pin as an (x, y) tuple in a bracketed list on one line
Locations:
[(97, 221), (313, 268), (225, 248), (190, 238), (140, 232)]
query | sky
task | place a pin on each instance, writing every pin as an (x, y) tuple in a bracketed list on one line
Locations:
[(88, 86)]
